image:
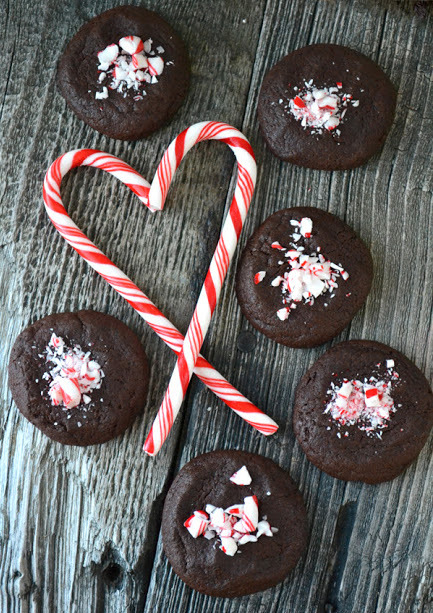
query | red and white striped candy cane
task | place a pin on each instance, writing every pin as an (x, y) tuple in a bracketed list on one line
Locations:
[(122, 284), (218, 267)]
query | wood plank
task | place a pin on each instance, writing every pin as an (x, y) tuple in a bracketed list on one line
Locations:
[(369, 547), (79, 526)]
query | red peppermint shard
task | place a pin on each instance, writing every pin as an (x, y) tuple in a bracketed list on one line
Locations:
[(259, 276), (276, 245), (299, 102)]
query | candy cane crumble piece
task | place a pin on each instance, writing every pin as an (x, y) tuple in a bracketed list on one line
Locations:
[(277, 281), (131, 44), (139, 61), (228, 546), (247, 538), (276, 245), (65, 390), (236, 510), (197, 523), (241, 477), (259, 276), (108, 55), (73, 376), (283, 313), (156, 65), (306, 227), (264, 527), (240, 528), (371, 396), (250, 515), (130, 68), (102, 95), (320, 109)]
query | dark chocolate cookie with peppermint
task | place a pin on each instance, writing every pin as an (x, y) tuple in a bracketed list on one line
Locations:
[(363, 412), (302, 276), (81, 378), (326, 107), (234, 523), (125, 72)]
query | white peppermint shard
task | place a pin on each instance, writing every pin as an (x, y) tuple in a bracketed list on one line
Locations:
[(241, 477)]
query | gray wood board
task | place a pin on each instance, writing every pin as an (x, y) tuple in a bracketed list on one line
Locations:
[(79, 528)]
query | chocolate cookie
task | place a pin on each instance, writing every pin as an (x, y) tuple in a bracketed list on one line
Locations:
[(125, 72), (225, 502), (326, 107), (302, 276), (81, 378), (363, 412)]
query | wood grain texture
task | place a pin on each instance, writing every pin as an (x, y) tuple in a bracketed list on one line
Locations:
[(79, 528)]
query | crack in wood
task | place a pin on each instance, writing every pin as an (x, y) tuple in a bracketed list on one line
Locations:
[(333, 599)]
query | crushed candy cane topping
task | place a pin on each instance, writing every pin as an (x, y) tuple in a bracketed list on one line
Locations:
[(367, 404), (320, 109), (129, 67), (237, 525), (307, 276), (73, 376)]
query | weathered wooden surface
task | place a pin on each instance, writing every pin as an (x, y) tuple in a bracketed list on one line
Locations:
[(79, 528)]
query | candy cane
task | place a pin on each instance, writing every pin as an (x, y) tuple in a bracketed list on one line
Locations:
[(218, 267), (154, 200)]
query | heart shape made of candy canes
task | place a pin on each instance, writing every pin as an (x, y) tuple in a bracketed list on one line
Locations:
[(153, 196)]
